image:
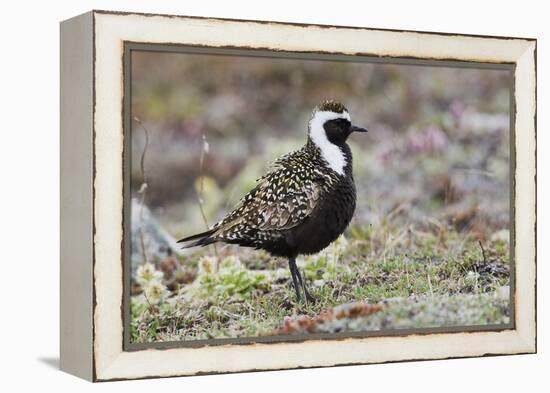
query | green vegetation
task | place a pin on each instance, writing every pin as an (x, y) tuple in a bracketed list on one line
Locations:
[(446, 279)]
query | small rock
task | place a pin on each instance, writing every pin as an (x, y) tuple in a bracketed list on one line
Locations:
[(159, 245), (503, 235), (503, 292)]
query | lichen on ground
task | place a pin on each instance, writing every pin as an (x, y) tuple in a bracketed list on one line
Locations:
[(446, 280)]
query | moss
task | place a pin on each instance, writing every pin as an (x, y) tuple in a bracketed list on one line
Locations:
[(435, 283)]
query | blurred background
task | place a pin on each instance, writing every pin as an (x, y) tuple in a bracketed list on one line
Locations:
[(438, 146), (428, 245)]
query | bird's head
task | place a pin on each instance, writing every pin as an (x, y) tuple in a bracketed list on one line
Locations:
[(329, 128), (331, 123)]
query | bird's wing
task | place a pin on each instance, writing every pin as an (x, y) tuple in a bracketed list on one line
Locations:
[(282, 199)]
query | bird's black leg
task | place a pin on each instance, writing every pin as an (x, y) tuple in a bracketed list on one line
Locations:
[(298, 282), (308, 296), (295, 274)]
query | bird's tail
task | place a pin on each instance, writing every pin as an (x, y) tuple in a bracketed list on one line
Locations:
[(200, 239)]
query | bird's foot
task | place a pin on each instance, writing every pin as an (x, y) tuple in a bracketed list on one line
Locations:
[(309, 297)]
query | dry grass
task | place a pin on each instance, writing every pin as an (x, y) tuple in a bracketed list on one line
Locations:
[(435, 276)]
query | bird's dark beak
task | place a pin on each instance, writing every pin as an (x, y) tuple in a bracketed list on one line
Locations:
[(357, 129)]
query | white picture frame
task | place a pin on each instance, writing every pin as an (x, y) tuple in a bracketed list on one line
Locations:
[(92, 230)]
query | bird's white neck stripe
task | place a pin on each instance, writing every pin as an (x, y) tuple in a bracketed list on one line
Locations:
[(333, 155)]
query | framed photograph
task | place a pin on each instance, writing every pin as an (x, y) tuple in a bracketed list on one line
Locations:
[(247, 195)]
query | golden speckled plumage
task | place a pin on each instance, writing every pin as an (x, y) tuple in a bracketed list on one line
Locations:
[(303, 203), (282, 199), (332, 106)]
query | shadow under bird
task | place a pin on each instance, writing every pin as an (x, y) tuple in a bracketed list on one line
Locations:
[(303, 203)]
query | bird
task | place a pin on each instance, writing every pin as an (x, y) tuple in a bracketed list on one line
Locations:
[(303, 203)]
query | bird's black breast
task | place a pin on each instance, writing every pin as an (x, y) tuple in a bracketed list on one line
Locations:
[(299, 208), (328, 221)]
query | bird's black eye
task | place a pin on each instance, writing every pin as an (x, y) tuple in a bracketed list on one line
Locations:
[(337, 130)]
